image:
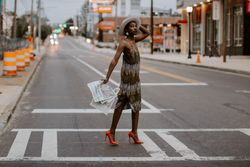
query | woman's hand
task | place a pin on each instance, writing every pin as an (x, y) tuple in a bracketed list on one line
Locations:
[(104, 81)]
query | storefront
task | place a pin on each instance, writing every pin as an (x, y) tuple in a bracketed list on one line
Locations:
[(237, 27), (215, 23)]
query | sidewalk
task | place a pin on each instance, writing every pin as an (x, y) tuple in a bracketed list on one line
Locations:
[(235, 64), (11, 88)]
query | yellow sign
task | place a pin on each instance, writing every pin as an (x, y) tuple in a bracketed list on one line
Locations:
[(104, 9), (102, 1)]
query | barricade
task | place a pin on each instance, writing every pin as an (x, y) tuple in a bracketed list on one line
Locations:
[(27, 57), (32, 55), (9, 64), (20, 60)]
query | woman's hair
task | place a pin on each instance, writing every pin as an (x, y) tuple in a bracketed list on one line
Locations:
[(127, 26)]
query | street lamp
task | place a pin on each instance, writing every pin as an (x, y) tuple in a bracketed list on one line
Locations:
[(189, 11)]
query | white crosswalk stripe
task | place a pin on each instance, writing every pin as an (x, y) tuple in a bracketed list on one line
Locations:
[(178, 146), (49, 148), (92, 111)]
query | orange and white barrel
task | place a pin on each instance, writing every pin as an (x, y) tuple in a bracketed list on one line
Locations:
[(9, 64), (32, 57), (20, 60), (27, 57)]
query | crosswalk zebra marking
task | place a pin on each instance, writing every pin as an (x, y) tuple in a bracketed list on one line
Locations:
[(92, 111), (50, 146), (151, 147), (178, 145), (18, 147)]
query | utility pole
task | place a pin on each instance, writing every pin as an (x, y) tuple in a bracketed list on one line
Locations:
[(1, 17), (152, 27), (14, 21), (224, 33), (31, 20), (39, 24)]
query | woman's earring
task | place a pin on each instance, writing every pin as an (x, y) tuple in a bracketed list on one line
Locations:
[(127, 33)]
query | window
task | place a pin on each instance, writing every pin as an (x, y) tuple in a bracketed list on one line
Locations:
[(123, 7), (238, 26), (228, 29), (209, 30), (197, 37)]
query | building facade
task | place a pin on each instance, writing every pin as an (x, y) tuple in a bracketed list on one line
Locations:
[(217, 26)]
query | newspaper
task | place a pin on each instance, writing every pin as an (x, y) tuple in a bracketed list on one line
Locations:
[(101, 92), (103, 95)]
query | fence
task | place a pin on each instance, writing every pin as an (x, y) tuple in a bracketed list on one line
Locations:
[(9, 44)]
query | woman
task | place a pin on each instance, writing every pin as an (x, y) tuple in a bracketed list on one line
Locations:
[(130, 87)]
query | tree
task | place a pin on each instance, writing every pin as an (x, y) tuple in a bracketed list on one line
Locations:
[(45, 31), (22, 27), (69, 23)]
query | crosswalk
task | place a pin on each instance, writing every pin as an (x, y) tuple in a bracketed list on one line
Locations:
[(49, 149)]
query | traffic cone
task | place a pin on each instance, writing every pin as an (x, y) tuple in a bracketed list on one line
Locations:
[(198, 60)]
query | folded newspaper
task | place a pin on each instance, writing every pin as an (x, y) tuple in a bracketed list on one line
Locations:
[(103, 95)]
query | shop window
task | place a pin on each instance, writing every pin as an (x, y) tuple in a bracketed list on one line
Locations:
[(208, 29), (197, 38), (228, 30), (238, 26)]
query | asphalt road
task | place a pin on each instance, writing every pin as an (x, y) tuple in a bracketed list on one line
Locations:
[(190, 116)]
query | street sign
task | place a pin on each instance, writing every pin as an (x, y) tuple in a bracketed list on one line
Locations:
[(107, 25)]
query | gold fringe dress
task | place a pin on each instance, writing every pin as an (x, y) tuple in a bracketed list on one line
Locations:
[(130, 86)]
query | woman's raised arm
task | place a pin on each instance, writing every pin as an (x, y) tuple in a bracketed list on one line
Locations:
[(145, 34), (114, 61)]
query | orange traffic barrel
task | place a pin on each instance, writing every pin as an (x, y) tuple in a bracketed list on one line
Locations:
[(32, 55), (20, 60), (9, 64), (27, 57)]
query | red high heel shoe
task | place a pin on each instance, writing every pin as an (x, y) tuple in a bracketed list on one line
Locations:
[(134, 137), (111, 140)]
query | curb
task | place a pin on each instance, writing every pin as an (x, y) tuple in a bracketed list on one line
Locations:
[(201, 66), (7, 114), (195, 65)]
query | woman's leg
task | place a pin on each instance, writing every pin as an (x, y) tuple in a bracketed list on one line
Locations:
[(116, 117), (135, 120)]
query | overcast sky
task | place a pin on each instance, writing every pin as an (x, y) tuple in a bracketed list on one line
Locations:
[(60, 10)]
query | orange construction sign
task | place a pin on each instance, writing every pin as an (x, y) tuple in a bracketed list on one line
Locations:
[(107, 25), (104, 9), (102, 1)]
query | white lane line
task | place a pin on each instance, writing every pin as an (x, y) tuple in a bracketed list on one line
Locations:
[(178, 146), (49, 146), (151, 147), (19, 145), (125, 130), (174, 84), (243, 91), (118, 71), (112, 81), (125, 159), (90, 111), (246, 131)]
